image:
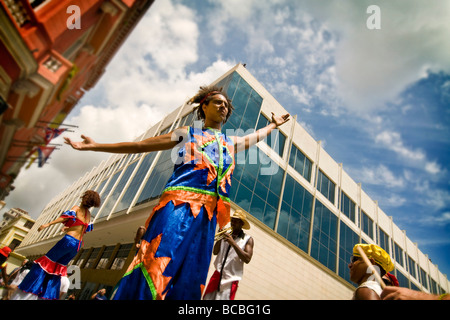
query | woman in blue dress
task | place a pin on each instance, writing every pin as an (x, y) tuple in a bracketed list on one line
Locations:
[(44, 279), (175, 251)]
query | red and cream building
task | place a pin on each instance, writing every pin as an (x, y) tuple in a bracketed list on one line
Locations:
[(51, 53)]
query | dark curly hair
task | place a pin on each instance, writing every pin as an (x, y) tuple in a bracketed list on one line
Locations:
[(204, 96), (90, 198)]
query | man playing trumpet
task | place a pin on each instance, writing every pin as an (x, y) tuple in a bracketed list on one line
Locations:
[(233, 248)]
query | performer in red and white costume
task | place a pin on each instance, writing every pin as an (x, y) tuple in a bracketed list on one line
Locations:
[(44, 279)]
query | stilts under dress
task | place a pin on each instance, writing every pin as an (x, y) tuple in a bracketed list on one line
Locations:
[(44, 278), (175, 252)]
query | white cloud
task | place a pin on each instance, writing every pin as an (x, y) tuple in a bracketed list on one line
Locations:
[(301, 96), (439, 199), (440, 220), (433, 167), (378, 175), (393, 200), (393, 141)]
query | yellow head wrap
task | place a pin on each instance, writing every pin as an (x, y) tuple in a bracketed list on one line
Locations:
[(380, 256)]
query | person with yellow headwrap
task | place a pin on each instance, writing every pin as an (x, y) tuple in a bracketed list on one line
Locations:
[(360, 273)]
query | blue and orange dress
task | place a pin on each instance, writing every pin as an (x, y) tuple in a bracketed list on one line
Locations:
[(175, 252), (44, 278)]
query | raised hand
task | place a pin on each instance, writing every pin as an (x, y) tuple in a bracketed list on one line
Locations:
[(86, 144), (279, 120)]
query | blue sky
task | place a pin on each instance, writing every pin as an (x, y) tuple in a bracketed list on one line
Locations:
[(379, 100)]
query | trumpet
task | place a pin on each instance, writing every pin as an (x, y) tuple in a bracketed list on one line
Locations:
[(221, 234)]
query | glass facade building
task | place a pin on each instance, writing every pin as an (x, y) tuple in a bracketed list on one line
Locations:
[(289, 184)]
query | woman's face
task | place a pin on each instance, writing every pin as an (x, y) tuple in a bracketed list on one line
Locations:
[(217, 108)]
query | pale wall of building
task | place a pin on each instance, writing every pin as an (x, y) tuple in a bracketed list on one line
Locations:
[(281, 271)]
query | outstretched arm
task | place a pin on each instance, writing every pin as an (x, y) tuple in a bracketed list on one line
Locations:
[(46, 225), (245, 142), (162, 142)]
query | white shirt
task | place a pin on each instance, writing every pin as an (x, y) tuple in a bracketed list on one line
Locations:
[(373, 285), (233, 268)]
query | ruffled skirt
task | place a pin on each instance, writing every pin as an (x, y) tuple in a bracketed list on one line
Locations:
[(44, 278), (173, 260)]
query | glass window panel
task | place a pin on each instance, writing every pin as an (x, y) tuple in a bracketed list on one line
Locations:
[(158, 178), (234, 83), (252, 111), (281, 141), (136, 182), (100, 188), (414, 287), (92, 258), (325, 186), (257, 207), (433, 286), (224, 83), (332, 187), (106, 256), (412, 267), (261, 190), (398, 254), (104, 194), (238, 169), (307, 172), (267, 168), (83, 257), (324, 220), (270, 214), (348, 207), (273, 199), (292, 156), (251, 169), (402, 280), (300, 164), (239, 102), (262, 122), (347, 240), (119, 188), (299, 194), (243, 197), (367, 224), (248, 179), (314, 248), (294, 223), (277, 179), (233, 190), (307, 205), (423, 278), (383, 240), (121, 256), (294, 227), (257, 99), (283, 221), (288, 189)]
